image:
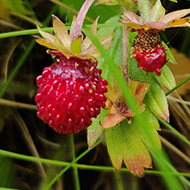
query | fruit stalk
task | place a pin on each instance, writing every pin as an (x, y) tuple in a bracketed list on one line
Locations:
[(125, 54)]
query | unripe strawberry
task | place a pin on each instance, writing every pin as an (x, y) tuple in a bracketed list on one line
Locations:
[(148, 51), (70, 92)]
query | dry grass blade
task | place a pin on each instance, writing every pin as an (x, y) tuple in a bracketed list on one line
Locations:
[(29, 141), (176, 150), (4, 64), (17, 104)]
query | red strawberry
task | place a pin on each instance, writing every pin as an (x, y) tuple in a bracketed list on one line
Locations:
[(70, 92), (148, 51)]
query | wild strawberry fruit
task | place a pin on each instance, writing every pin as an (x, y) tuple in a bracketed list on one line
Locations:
[(148, 51), (70, 93)]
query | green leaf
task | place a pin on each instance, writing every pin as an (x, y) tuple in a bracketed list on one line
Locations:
[(124, 144), (106, 30), (153, 140), (16, 6), (95, 131), (115, 52)]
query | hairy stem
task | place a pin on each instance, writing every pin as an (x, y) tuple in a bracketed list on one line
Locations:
[(80, 18), (125, 54)]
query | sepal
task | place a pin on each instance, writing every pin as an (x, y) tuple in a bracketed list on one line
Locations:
[(166, 78)]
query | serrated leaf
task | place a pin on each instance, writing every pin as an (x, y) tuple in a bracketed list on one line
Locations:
[(107, 2), (107, 30), (124, 144)]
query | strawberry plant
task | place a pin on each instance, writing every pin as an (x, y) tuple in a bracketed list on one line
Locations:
[(101, 108)]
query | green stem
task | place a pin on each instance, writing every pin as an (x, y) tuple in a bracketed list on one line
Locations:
[(176, 87), (49, 29), (57, 163), (119, 181), (16, 69), (23, 58), (166, 165), (71, 164), (75, 170)]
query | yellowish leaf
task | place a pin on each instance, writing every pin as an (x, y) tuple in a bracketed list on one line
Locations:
[(175, 15), (181, 71), (46, 36), (61, 31), (44, 42)]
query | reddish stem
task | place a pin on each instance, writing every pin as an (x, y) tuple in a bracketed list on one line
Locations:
[(125, 54), (80, 18)]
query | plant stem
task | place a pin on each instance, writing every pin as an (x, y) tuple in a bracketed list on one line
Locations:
[(50, 162), (125, 54), (80, 19), (22, 59), (177, 86), (75, 169), (70, 165), (119, 181)]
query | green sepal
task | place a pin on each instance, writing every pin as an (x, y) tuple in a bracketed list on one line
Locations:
[(166, 78), (76, 46), (156, 100), (169, 55)]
